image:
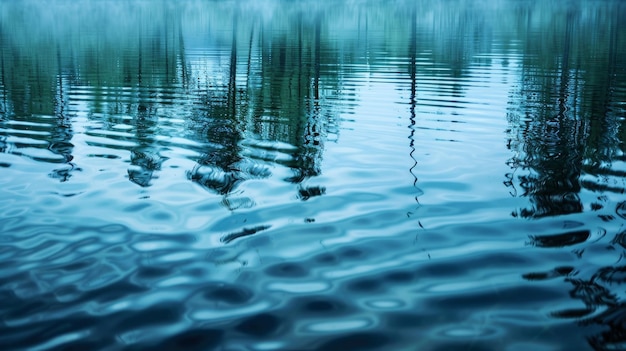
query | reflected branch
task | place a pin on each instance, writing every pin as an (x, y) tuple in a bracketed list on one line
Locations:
[(413, 101)]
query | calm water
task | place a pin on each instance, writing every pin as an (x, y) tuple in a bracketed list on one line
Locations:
[(294, 175)]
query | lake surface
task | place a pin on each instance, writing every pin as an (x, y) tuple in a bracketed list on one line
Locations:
[(312, 175)]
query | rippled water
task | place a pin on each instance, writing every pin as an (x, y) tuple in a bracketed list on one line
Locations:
[(292, 175)]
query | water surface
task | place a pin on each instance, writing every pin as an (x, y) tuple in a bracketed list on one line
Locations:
[(245, 175)]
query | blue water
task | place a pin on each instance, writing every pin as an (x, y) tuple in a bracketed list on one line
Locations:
[(301, 175)]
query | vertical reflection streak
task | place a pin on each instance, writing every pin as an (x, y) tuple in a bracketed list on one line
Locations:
[(61, 136), (413, 102), (232, 81), (4, 108)]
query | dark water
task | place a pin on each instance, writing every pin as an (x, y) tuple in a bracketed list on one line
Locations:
[(294, 175)]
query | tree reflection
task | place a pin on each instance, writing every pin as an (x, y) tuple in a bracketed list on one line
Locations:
[(218, 169), (62, 133), (248, 94), (566, 132), (138, 76), (307, 159), (35, 102), (560, 129), (279, 101)]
